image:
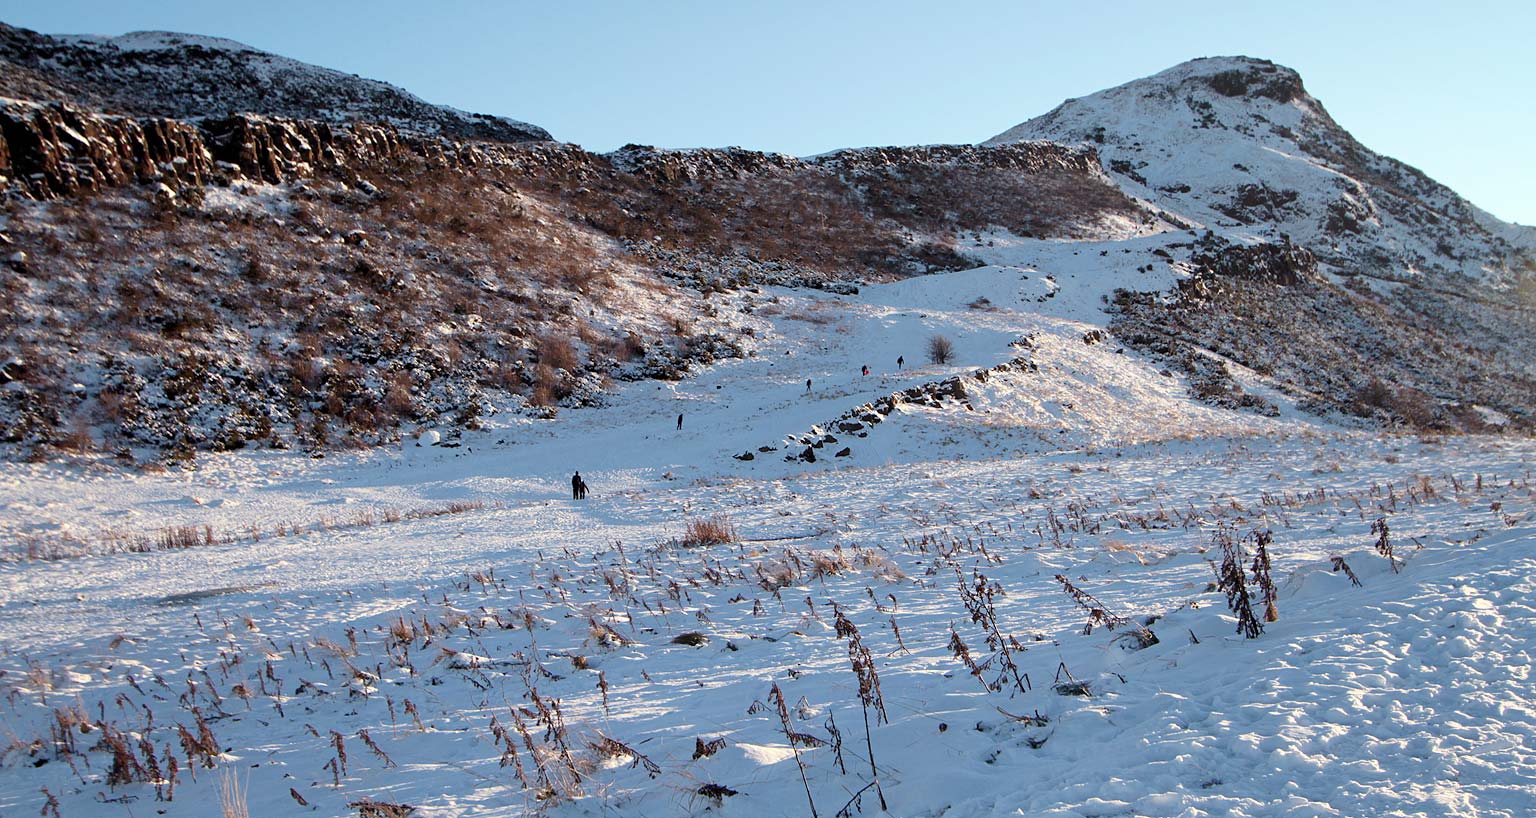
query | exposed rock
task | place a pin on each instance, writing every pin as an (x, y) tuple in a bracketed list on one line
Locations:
[(1282, 263), (56, 150), (184, 76)]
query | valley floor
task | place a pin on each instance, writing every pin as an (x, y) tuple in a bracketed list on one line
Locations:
[(505, 650)]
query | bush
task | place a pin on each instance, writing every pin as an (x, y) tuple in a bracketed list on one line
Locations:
[(556, 351), (717, 530), (940, 350)]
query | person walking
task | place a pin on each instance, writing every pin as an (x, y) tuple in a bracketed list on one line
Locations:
[(866, 370), (679, 422), (900, 361), (578, 486), (807, 386)]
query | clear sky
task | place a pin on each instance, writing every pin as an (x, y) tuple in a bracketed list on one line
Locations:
[(1447, 87)]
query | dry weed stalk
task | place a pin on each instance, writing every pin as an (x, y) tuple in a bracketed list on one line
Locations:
[(705, 749), (1340, 565), (613, 748), (1261, 567), (51, 806), (958, 647), (1384, 542), (1099, 614), (232, 794), (377, 750), (1232, 580), (869, 694), (715, 530), (776, 698), (979, 600)]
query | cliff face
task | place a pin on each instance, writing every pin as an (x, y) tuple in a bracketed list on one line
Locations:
[(56, 150)]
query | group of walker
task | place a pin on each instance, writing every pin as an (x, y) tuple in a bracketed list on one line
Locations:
[(579, 486)]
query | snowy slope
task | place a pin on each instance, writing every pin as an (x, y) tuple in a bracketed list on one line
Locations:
[(1238, 145), (643, 671), (1025, 540), (185, 76)]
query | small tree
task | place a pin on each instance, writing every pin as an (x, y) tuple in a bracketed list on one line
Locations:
[(940, 350)]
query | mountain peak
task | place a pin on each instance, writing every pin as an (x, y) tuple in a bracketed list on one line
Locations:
[(1237, 143), (1209, 92), (1238, 77)]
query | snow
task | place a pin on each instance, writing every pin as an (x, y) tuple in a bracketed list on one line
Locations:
[(162, 40), (1407, 695), (276, 76), (1192, 151)]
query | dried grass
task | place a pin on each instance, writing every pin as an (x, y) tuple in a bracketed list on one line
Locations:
[(715, 530)]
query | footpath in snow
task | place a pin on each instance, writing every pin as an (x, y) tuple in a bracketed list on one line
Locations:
[(506, 650)]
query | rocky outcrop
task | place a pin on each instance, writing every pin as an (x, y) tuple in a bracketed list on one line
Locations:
[(664, 166), (54, 150), (671, 167), (1028, 157), (273, 150), (1282, 263), (1258, 78), (861, 420)]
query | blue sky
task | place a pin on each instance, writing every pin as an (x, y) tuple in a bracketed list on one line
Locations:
[(1448, 88)]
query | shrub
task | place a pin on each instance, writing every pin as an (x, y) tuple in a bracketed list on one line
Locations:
[(556, 351), (716, 530), (940, 350)]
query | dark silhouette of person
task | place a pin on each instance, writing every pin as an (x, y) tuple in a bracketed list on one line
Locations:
[(583, 488), (578, 486), (866, 369), (679, 422), (807, 384), (900, 361)]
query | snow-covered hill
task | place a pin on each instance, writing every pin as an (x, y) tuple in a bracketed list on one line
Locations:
[(184, 76), (1238, 145), (439, 632), (1419, 302), (1094, 560)]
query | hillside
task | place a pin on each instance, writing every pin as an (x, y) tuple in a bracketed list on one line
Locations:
[(186, 76), (477, 644), (297, 277), (967, 480), (1238, 144), (260, 281), (1418, 306)]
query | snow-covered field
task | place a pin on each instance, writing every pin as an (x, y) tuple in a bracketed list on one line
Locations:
[(508, 650)]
